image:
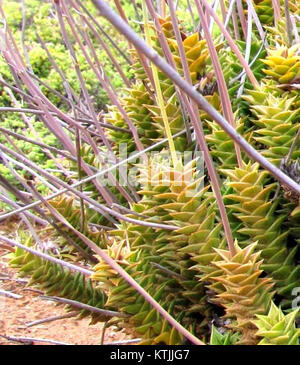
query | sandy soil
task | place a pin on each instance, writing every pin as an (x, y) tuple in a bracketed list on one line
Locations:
[(15, 313)]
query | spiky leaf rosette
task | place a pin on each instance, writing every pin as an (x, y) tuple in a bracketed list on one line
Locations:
[(233, 70), (276, 328), (179, 197), (261, 92), (134, 103), (88, 156), (277, 120), (245, 293), (55, 280), (70, 210), (283, 63), (139, 102), (226, 338), (294, 7), (196, 54), (277, 34), (172, 197), (253, 207), (144, 320), (114, 117), (222, 146), (109, 185), (264, 10)]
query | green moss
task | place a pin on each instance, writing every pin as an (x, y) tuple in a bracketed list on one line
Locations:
[(39, 61), (13, 13)]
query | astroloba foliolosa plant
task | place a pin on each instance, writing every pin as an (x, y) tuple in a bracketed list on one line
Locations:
[(172, 212)]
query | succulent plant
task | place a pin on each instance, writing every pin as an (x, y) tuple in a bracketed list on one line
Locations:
[(283, 64), (212, 243), (55, 280), (265, 11), (276, 328), (252, 205), (245, 293), (218, 338)]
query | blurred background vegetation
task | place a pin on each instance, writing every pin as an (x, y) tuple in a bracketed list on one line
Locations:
[(41, 22)]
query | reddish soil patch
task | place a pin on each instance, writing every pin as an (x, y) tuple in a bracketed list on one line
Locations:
[(15, 313)]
